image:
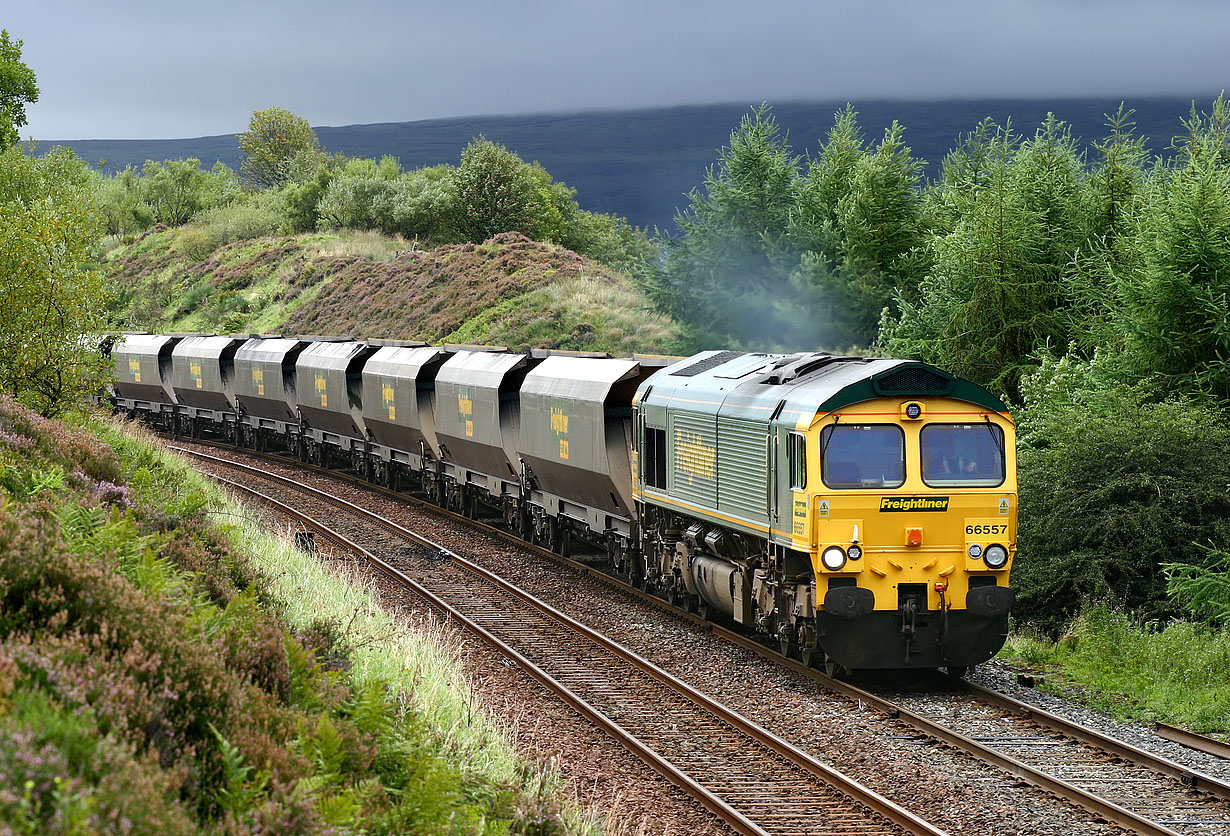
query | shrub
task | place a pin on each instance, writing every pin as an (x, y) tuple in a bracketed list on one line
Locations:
[(256, 217), (1112, 486)]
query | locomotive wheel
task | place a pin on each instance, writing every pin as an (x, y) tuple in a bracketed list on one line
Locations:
[(786, 645), (957, 671)]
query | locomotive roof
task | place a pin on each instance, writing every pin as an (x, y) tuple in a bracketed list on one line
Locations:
[(795, 386)]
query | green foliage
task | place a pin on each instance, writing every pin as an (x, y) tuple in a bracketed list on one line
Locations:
[(612, 241), (169, 192), (726, 271), (1176, 314), (1176, 673), (995, 293), (1202, 588), (1113, 484), (147, 676), (1116, 195), (859, 220), (767, 256), (18, 88), (50, 298), (302, 198), (273, 146), (256, 217), (495, 192), (367, 195)]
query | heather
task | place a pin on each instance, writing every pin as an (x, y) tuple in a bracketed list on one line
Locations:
[(153, 679), (509, 290)]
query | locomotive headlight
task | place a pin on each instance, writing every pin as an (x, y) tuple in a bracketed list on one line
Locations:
[(996, 556), (833, 558), (854, 552), (975, 551)]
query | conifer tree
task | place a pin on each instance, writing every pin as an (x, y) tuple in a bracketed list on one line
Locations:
[(726, 273), (1177, 314)]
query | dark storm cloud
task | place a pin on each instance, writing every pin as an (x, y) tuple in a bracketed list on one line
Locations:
[(140, 69)]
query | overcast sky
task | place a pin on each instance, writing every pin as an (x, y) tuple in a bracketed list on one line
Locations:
[(144, 69)]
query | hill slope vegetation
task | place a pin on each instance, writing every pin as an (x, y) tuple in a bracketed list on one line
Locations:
[(508, 290)]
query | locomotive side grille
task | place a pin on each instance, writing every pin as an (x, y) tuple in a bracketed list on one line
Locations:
[(912, 380), (708, 363)]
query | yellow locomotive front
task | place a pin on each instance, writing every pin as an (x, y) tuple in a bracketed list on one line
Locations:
[(861, 511), (911, 523)]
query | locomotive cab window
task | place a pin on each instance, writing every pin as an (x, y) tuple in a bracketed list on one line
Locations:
[(654, 457), (796, 454), (862, 456), (962, 455)]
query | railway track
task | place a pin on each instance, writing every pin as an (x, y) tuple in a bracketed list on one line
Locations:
[(1122, 784), (756, 782)]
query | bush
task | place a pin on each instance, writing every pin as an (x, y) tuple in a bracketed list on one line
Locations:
[(1112, 486), (256, 217)]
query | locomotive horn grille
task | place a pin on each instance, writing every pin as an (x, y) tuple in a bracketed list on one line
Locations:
[(912, 380)]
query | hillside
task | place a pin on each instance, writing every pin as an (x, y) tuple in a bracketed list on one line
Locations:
[(639, 164), (507, 291)]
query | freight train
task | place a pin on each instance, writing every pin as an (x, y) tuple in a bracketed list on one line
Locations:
[(861, 512)]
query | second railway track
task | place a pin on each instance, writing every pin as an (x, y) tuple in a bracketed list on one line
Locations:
[(1157, 798), (755, 781)]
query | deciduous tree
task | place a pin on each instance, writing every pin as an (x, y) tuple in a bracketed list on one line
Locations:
[(274, 138), (51, 301), (495, 192), (17, 89)]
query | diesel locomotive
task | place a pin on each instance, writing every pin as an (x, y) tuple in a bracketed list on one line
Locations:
[(859, 511)]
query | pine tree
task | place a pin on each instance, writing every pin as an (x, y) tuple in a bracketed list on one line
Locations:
[(1177, 315), (732, 256)]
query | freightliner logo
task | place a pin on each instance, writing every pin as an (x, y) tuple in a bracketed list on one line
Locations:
[(914, 503)]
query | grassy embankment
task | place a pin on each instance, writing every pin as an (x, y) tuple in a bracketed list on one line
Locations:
[(1177, 673), (507, 291), (166, 667)]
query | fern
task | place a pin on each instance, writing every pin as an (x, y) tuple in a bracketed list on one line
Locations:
[(370, 708), (241, 790)]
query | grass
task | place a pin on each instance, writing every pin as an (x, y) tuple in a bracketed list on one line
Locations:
[(579, 313), (1177, 673), (374, 246), (166, 663), (421, 665), (511, 292)]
